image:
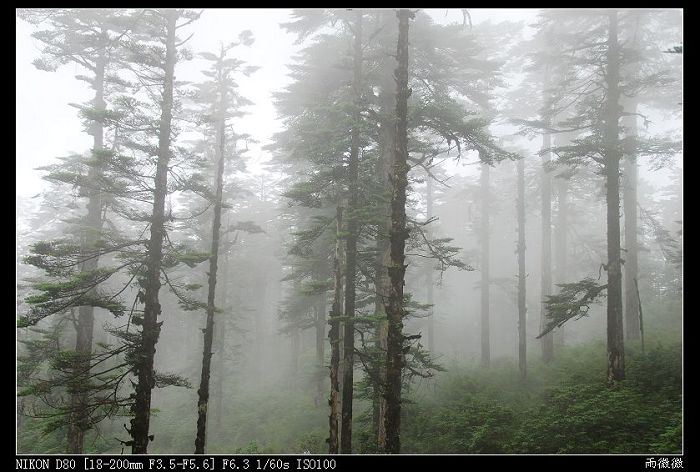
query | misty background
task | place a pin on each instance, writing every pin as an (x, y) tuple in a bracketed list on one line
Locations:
[(268, 392)]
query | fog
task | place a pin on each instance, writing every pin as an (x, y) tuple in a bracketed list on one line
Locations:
[(211, 231)]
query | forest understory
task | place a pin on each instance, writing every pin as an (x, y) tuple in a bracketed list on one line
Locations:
[(562, 408)]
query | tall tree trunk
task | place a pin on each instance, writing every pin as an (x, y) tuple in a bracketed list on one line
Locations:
[(341, 334), (334, 336), (522, 300), (379, 401), (141, 408), (429, 274), (397, 237), (381, 283), (79, 421), (485, 269), (547, 341), (320, 325), (220, 341), (631, 255), (616, 351), (351, 246), (203, 392), (641, 316), (560, 241)]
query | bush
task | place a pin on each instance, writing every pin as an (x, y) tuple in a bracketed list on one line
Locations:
[(566, 407)]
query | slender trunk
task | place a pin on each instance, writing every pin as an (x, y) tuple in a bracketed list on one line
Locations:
[(383, 349), (141, 408), (522, 306), (320, 325), (560, 243), (397, 237), (429, 273), (221, 344), (203, 392), (341, 347), (616, 352), (334, 335), (351, 247), (379, 400), (561, 228), (547, 341), (79, 421), (631, 255), (380, 288), (384, 168), (641, 319), (485, 269)]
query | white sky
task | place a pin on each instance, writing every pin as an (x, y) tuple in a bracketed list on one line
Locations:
[(47, 127)]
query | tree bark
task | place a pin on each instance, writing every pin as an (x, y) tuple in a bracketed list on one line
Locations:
[(79, 421), (334, 335), (141, 408), (351, 246), (522, 303), (320, 325), (379, 414), (547, 341), (560, 243), (429, 274), (381, 283), (203, 392), (220, 342), (632, 249), (616, 352), (641, 316), (397, 237), (485, 269)]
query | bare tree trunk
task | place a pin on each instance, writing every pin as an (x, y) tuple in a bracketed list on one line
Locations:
[(429, 274), (522, 300), (79, 421), (485, 269), (203, 392), (141, 408), (641, 318), (334, 337), (561, 228), (351, 247), (380, 288), (616, 351), (220, 343), (397, 237), (546, 280), (560, 243), (320, 325), (384, 168), (379, 401), (631, 255)]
